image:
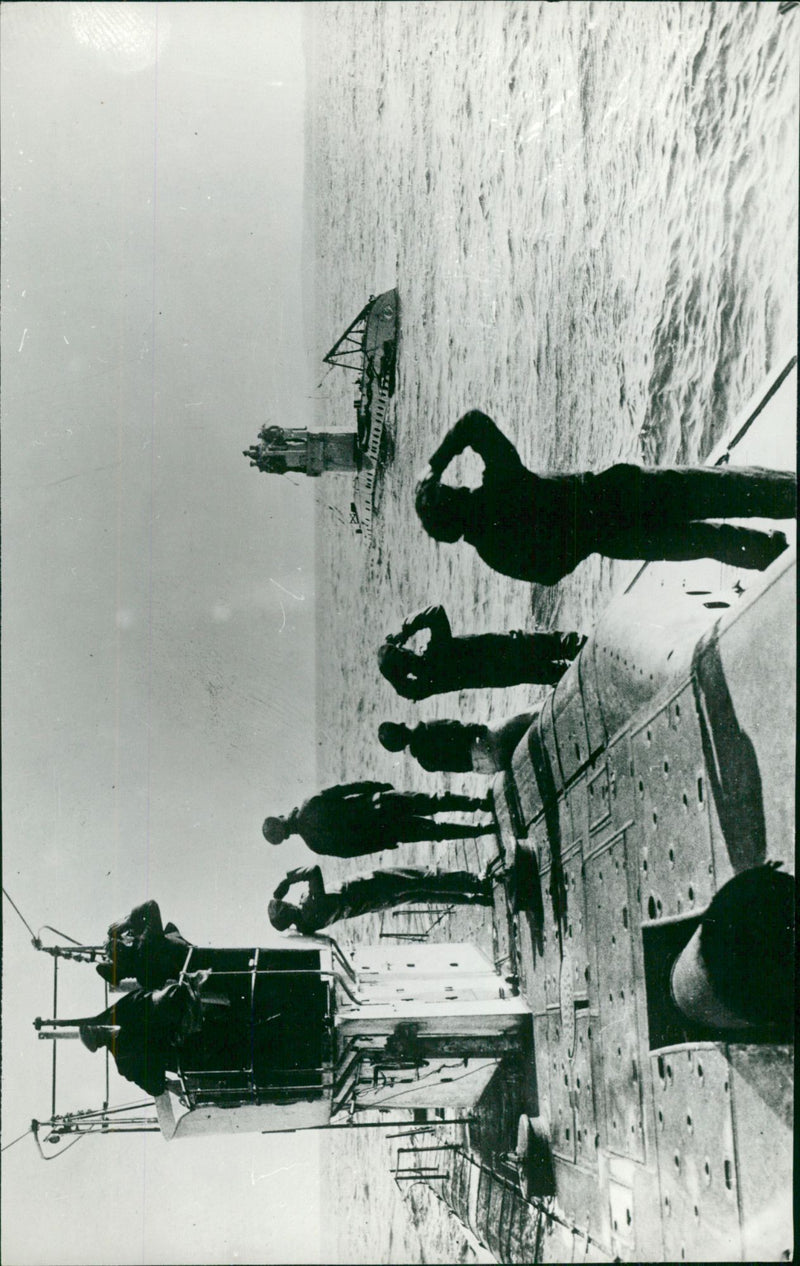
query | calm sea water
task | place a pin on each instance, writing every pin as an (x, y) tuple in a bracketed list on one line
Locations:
[(590, 213)]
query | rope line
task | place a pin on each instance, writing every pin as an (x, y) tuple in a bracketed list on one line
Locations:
[(16, 1140), (45, 926), (19, 912), (48, 927), (63, 1151)]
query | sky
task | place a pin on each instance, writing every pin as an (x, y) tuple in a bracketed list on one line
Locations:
[(158, 593)]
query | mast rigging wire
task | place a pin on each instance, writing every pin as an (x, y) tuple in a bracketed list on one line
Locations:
[(19, 912), (16, 1140), (37, 940), (71, 939)]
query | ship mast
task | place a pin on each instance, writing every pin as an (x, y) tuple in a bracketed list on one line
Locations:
[(351, 343)]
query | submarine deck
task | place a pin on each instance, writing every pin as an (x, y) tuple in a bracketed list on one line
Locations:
[(667, 1142)]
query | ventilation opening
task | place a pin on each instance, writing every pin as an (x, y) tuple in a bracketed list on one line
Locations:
[(662, 943)]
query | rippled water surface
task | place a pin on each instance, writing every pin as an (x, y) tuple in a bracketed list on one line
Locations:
[(590, 213)]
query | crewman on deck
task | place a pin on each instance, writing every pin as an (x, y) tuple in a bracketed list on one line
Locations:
[(141, 948), (380, 890), (471, 662), (457, 748), (144, 1030), (367, 817), (539, 527)]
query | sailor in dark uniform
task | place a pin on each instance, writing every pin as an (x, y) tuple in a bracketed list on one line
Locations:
[(539, 527), (367, 817), (471, 662), (142, 948), (380, 890), (144, 1030), (454, 747)]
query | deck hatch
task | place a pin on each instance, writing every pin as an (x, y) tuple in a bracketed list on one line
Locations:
[(676, 869), (608, 910), (562, 1113), (583, 1091), (575, 939)]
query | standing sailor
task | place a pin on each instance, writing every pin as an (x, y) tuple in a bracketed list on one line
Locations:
[(471, 662), (457, 748), (367, 817), (380, 890), (539, 527), (141, 948), (145, 1029)]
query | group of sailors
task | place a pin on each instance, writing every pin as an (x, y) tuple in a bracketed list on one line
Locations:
[(533, 527), (162, 1003)]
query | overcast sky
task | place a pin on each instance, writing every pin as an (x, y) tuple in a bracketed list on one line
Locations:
[(158, 600)]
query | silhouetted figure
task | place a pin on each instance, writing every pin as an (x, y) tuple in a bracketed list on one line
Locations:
[(453, 747), (144, 1030), (478, 660), (539, 527), (272, 435), (380, 890), (141, 948), (273, 464), (367, 817)]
